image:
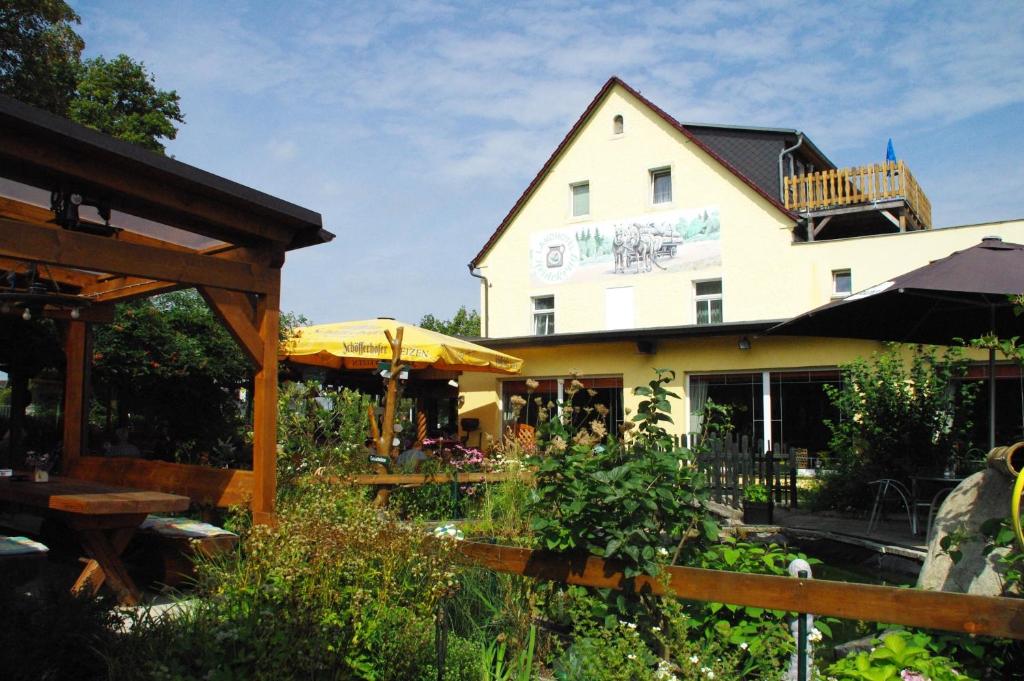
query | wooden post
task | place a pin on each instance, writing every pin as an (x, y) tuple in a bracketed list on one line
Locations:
[(74, 391), (264, 416), (388, 426)]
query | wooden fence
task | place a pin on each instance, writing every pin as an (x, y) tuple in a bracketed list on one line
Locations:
[(733, 462), (963, 613), (841, 187)]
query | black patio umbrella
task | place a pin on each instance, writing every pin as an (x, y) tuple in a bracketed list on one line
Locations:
[(964, 295)]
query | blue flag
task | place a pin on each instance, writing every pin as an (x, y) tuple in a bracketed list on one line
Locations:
[(890, 153)]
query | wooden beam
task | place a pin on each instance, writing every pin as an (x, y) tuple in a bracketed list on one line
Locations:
[(74, 389), (57, 274), (36, 215), (237, 313), (890, 217), (42, 161), (976, 615), (418, 479), (75, 249), (221, 487), (264, 416), (820, 226), (123, 289)]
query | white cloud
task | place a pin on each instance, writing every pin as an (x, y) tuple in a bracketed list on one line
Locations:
[(458, 105)]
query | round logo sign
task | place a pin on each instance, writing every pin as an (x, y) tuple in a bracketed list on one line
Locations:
[(554, 257)]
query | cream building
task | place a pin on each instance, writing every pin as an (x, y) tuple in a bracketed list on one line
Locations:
[(644, 242)]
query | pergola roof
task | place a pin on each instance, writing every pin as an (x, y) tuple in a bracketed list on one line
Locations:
[(177, 225), (171, 226), (46, 151)]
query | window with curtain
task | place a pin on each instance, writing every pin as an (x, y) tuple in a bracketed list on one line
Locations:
[(543, 315), (708, 295), (661, 185)]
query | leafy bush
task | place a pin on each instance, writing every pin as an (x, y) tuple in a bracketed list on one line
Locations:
[(635, 503), (319, 427), (54, 635), (755, 494), (901, 656), (896, 421), (334, 591)]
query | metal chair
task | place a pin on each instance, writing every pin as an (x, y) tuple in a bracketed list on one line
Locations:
[(878, 508), (933, 508)]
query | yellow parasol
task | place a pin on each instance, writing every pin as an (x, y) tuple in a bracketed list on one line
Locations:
[(362, 344)]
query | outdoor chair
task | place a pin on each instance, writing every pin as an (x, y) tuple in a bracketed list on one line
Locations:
[(887, 487), (933, 509)]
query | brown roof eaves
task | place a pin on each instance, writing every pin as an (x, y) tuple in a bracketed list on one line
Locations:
[(605, 89)]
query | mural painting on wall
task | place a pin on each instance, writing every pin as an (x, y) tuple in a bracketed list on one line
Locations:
[(665, 242)]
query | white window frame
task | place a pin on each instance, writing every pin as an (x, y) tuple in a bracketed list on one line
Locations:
[(535, 313), (653, 173), (707, 298), (836, 293), (572, 198)]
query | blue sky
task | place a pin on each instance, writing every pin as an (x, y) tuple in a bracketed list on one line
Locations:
[(413, 127)]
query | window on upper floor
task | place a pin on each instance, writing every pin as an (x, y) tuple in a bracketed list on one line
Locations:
[(842, 283), (580, 198), (617, 125), (708, 295), (661, 185), (543, 315)]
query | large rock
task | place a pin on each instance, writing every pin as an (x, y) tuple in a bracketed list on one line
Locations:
[(727, 514), (982, 496)]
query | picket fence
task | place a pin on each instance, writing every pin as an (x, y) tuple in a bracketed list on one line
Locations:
[(732, 462)]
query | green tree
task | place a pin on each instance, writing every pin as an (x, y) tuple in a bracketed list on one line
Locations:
[(120, 98), (39, 52), (464, 323), (897, 419), (168, 365)]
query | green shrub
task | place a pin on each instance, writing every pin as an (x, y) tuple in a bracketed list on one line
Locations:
[(896, 421), (755, 494), (335, 591), (320, 428), (900, 656), (53, 635)]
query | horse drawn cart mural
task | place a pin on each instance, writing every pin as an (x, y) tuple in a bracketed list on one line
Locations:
[(666, 242)]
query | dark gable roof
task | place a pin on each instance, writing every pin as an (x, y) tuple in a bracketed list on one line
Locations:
[(611, 83)]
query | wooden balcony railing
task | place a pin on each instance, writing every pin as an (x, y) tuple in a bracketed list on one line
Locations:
[(850, 187)]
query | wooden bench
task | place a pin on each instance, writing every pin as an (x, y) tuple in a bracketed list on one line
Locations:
[(20, 558), (165, 554), (172, 544)]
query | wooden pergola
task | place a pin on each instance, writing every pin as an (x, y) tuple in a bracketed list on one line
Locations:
[(174, 226)]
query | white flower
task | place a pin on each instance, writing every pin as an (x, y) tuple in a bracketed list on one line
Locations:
[(631, 656), (814, 636), (655, 629), (694, 659), (744, 646), (662, 551)]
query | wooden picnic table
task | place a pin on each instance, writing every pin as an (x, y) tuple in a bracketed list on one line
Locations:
[(103, 518)]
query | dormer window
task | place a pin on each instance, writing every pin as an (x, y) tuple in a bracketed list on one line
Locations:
[(617, 124)]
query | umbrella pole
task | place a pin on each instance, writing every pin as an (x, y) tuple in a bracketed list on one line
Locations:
[(991, 398), (388, 426), (992, 381)]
